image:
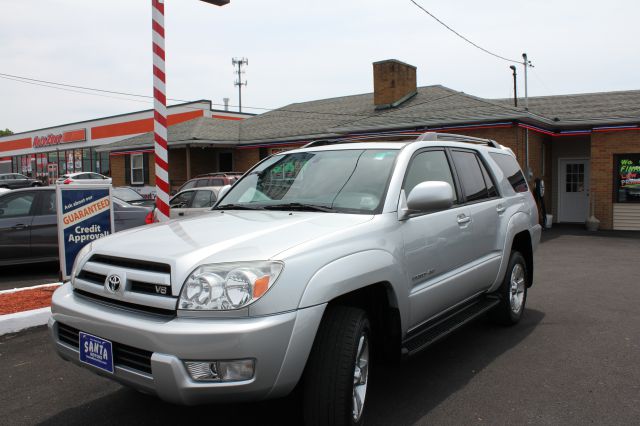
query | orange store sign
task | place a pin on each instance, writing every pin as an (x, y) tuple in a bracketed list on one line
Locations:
[(55, 139)]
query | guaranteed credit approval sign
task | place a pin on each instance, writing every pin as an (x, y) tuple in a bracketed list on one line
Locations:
[(85, 214)]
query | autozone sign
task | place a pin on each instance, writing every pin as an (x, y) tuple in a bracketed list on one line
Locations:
[(55, 139)]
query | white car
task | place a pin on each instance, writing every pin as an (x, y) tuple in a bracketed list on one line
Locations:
[(83, 178)]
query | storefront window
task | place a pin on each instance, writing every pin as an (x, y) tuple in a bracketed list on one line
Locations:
[(627, 184)]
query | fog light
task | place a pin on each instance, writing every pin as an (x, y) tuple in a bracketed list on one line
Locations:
[(221, 371), (241, 369)]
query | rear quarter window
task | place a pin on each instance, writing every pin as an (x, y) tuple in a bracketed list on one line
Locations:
[(511, 170)]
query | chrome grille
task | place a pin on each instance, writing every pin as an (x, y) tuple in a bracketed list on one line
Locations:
[(143, 285)]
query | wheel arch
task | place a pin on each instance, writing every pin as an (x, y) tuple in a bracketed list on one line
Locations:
[(518, 237)]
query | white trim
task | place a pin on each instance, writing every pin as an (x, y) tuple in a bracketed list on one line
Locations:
[(17, 289), (561, 179)]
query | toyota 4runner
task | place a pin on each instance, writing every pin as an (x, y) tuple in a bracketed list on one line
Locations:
[(316, 260)]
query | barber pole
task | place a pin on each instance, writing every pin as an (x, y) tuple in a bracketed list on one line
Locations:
[(160, 112)]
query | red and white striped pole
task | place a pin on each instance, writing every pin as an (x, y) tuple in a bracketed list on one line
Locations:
[(160, 112)]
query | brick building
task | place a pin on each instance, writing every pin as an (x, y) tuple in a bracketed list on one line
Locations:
[(585, 147)]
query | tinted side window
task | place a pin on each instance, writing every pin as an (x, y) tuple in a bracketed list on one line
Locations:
[(491, 188), (16, 205), (202, 182), (470, 174), (428, 166), (511, 170), (182, 200), (216, 182), (47, 203)]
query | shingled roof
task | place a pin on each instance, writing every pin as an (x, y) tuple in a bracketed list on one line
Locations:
[(585, 108), (432, 106)]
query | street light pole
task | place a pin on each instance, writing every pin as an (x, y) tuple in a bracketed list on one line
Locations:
[(160, 107)]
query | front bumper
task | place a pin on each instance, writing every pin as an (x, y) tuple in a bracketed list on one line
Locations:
[(280, 345)]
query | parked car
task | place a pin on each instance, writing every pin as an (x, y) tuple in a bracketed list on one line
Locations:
[(16, 180), (132, 196), (89, 178), (211, 179), (313, 266), (191, 202), (28, 224)]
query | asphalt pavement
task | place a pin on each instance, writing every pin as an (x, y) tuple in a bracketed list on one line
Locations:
[(574, 359), (16, 276)]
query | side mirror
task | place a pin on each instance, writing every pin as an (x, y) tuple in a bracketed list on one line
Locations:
[(428, 197), (223, 191)]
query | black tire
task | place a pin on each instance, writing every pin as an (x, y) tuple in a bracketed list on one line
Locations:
[(511, 306), (328, 382)]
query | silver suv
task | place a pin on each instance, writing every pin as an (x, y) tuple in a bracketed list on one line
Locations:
[(316, 260)]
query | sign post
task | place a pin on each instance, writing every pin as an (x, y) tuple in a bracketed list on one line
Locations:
[(85, 214)]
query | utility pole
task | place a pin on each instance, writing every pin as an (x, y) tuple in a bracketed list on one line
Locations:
[(239, 63), (515, 86), (526, 63)]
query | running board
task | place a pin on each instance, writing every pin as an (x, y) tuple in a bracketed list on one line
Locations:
[(437, 329)]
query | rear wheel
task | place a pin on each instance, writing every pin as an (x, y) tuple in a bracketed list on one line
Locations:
[(512, 292), (336, 377)]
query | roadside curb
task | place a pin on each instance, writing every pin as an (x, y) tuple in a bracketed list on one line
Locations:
[(12, 323)]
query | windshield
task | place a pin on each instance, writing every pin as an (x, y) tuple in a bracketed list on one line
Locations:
[(350, 181)]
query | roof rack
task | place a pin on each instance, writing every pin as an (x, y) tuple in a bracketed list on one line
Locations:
[(450, 137), (361, 138), (426, 136)]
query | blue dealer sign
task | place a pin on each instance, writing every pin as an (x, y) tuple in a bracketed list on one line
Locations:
[(85, 216)]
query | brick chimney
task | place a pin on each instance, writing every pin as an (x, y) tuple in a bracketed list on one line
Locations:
[(393, 83)]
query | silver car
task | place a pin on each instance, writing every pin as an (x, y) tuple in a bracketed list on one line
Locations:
[(314, 262)]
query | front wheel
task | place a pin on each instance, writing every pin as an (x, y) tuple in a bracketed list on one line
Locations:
[(337, 373), (512, 292)]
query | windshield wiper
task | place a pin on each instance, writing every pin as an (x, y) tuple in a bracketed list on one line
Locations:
[(299, 206), (237, 207)]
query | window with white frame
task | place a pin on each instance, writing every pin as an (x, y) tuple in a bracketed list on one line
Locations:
[(137, 169)]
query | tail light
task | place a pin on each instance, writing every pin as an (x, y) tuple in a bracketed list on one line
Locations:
[(149, 219), (67, 181)]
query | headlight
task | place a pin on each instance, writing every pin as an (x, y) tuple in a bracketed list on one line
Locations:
[(227, 286)]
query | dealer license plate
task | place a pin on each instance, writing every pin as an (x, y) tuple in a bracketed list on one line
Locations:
[(96, 351)]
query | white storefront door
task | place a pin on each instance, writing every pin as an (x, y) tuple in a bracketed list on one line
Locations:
[(573, 190)]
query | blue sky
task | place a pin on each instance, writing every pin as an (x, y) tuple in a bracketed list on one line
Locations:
[(301, 50)]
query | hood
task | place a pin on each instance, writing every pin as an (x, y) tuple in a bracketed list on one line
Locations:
[(224, 236)]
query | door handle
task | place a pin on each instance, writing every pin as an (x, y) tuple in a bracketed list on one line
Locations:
[(181, 214), (463, 218), (19, 226), (500, 209)]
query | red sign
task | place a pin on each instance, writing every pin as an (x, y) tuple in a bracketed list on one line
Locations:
[(66, 137)]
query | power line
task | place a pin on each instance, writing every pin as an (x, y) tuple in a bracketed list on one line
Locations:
[(70, 90), (463, 37), (65, 87)]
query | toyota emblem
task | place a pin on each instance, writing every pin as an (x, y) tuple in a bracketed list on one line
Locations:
[(112, 284)]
